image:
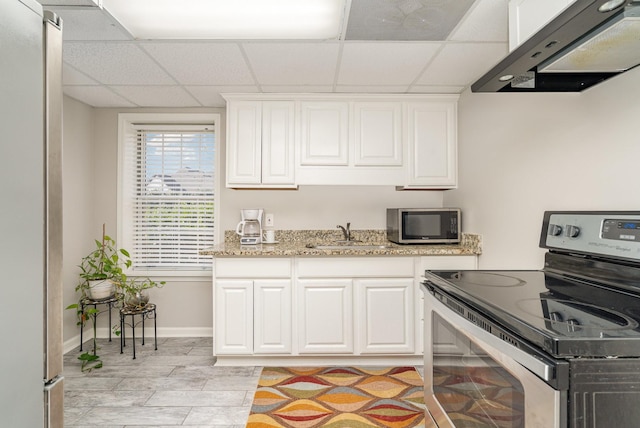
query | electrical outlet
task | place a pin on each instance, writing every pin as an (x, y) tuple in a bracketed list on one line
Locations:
[(268, 220)]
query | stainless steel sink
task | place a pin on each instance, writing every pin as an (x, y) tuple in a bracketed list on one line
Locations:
[(348, 247)]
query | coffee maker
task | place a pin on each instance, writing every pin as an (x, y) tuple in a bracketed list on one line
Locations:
[(250, 228)]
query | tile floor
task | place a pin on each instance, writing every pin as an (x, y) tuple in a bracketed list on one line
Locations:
[(177, 385)]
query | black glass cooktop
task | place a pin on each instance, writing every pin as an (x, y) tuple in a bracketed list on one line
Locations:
[(563, 317)]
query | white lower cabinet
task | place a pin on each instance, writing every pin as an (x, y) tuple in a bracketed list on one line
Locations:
[(361, 316), (387, 322), (357, 305), (253, 316), (323, 307), (272, 316), (325, 316), (252, 306), (233, 316)]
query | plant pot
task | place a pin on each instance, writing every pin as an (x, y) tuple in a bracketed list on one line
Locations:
[(137, 300), (101, 289)]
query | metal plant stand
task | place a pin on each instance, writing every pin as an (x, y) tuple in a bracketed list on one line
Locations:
[(110, 302), (146, 312)]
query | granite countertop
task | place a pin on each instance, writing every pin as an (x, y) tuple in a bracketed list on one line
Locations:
[(292, 243)]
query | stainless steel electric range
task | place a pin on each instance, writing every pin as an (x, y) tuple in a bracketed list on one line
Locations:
[(557, 347)]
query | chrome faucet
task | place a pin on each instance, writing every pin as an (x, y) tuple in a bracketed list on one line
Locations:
[(346, 232)]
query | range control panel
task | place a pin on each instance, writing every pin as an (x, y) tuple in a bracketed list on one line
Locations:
[(613, 234)]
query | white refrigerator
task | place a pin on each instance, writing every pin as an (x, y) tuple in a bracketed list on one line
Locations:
[(31, 385)]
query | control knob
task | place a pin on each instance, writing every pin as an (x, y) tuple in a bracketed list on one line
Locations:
[(572, 325), (555, 230), (572, 231), (556, 316)]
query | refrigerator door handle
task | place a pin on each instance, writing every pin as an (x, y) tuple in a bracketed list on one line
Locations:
[(54, 403)]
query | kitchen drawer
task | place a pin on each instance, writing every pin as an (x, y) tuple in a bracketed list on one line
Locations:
[(250, 267), (448, 263), (335, 267)]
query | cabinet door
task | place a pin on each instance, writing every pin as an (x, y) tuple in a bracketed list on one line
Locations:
[(387, 320), (324, 133), (272, 316), (377, 133), (526, 17), (432, 139), (278, 162), (244, 135), (325, 316), (233, 317)]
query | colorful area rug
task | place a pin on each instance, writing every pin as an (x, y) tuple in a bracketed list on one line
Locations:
[(358, 397)]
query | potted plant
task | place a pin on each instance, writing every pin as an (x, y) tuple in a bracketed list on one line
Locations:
[(89, 359), (100, 271), (102, 268), (133, 292)]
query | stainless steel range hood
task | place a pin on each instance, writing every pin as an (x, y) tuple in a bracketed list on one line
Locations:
[(589, 42)]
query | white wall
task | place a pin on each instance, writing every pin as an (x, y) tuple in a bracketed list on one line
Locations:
[(522, 154), (78, 194), (324, 207)]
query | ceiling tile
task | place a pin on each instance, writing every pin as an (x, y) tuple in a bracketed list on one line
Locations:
[(209, 96), (384, 63), (404, 19), (293, 63), (202, 63), (71, 76), (89, 24), (487, 22), (461, 63), (99, 55), (97, 96), (157, 96), (115, 63)]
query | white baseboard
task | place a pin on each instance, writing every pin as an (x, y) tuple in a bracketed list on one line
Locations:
[(103, 333)]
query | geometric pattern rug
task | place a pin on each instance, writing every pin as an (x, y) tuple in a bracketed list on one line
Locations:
[(358, 397)]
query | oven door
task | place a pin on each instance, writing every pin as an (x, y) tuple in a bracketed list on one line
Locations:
[(473, 378)]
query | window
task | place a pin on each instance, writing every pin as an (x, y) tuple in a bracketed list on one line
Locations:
[(167, 191)]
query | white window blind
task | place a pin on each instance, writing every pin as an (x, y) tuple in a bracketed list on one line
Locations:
[(168, 195)]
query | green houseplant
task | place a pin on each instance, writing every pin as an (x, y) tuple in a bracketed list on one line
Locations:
[(100, 272), (133, 291), (102, 269)]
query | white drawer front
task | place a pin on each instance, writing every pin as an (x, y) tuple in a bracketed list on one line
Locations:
[(336, 267), (248, 267)]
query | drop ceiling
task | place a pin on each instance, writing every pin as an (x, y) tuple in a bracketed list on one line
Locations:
[(382, 49)]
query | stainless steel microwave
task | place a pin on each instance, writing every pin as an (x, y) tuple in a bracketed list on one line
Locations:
[(423, 225)]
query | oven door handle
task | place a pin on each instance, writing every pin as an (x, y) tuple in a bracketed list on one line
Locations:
[(526, 356)]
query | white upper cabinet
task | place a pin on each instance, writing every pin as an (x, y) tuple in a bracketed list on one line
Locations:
[(324, 130), (260, 149), (377, 128), (278, 142), (526, 17), (287, 140), (431, 143), (244, 134)]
